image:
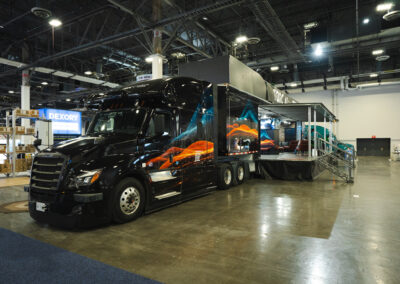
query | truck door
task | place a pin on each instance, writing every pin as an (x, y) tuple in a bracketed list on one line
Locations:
[(198, 171), (165, 174)]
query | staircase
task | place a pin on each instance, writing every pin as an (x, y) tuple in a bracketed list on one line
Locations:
[(336, 160)]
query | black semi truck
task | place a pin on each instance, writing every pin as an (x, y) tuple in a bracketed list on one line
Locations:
[(150, 145)]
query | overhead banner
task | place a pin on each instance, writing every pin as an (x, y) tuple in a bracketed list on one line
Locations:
[(64, 121)]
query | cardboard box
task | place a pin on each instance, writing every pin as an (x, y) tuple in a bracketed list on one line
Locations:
[(3, 148), (30, 149), (34, 113), (20, 130), (20, 165), (5, 130), (30, 131), (5, 168), (28, 163), (20, 149), (22, 112)]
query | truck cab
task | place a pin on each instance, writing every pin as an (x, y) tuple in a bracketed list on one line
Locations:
[(150, 145)]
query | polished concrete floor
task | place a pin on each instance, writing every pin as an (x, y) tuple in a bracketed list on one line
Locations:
[(265, 231)]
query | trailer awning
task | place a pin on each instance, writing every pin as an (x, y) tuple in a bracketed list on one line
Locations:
[(297, 112)]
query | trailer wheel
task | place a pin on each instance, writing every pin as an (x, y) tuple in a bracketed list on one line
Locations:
[(129, 200), (225, 176), (240, 174)]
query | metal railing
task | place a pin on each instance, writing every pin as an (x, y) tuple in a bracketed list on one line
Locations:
[(338, 161)]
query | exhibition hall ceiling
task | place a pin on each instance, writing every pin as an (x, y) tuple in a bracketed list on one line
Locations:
[(110, 41)]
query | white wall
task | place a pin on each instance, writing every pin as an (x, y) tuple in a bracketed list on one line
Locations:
[(361, 113)]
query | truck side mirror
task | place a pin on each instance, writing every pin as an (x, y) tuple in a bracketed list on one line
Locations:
[(37, 143)]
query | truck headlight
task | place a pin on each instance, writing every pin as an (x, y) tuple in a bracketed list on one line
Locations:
[(88, 178)]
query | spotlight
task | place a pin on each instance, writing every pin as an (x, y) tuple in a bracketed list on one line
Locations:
[(44, 83), (274, 68), (241, 39), (88, 72), (205, 18), (377, 52), (384, 7), (366, 21), (67, 100), (55, 22), (318, 51), (11, 92)]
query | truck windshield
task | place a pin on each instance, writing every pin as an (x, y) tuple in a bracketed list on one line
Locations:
[(118, 121)]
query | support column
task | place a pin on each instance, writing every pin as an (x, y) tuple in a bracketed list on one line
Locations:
[(157, 63), (309, 132), (25, 102), (157, 66)]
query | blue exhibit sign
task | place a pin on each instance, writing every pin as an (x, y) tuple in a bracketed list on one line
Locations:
[(64, 121)]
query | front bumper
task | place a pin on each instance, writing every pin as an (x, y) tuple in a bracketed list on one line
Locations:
[(77, 211)]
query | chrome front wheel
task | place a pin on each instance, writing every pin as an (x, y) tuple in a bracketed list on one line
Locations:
[(130, 200)]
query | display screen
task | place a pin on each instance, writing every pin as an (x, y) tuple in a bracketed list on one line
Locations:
[(64, 121)]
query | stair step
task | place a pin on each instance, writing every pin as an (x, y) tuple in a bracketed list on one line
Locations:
[(167, 195)]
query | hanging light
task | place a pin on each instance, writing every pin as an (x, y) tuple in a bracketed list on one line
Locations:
[(54, 22), (241, 39)]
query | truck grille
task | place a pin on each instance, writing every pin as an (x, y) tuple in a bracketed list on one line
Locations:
[(45, 176)]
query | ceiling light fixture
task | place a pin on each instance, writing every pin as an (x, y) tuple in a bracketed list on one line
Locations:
[(377, 52), (366, 21), (88, 72), (149, 59), (205, 18), (67, 100), (311, 25), (384, 7), (373, 75), (274, 68), (55, 22), (11, 92), (44, 83), (293, 85), (318, 51), (241, 39)]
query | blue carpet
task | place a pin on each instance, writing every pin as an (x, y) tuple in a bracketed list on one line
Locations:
[(25, 260)]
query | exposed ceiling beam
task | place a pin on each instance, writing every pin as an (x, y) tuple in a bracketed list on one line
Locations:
[(62, 74), (270, 22)]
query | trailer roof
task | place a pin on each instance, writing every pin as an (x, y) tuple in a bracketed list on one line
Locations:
[(298, 111)]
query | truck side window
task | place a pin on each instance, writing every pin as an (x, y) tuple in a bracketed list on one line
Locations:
[(160, 124)]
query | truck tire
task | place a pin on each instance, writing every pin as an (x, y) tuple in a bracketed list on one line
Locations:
[(240, 173), (129, 200), (225, 176)]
